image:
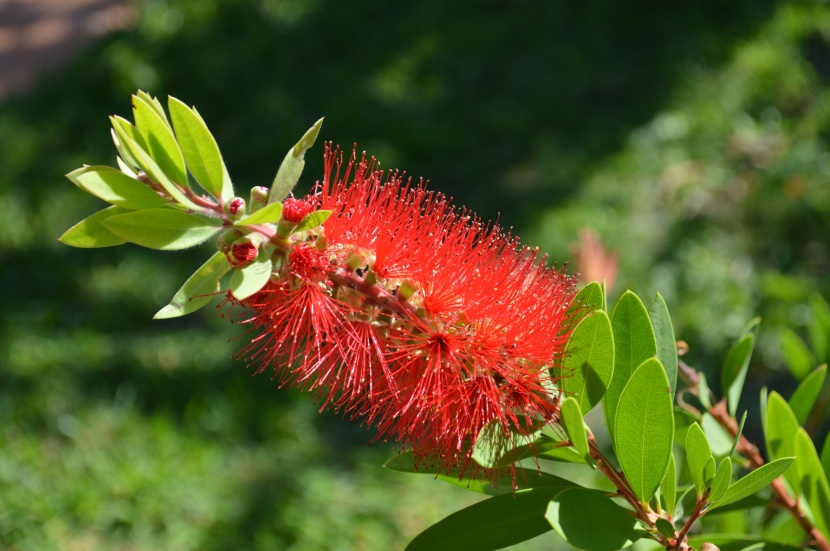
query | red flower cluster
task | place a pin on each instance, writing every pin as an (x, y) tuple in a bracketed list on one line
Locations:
[(412, 315)]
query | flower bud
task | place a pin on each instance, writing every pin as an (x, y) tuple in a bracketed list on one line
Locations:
[(294, 210), (259, 198), (235, 208), (242, 252)]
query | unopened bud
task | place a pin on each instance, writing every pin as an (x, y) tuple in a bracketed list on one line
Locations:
[(235, 208), (259, 198), (227, 238), (243, 252)]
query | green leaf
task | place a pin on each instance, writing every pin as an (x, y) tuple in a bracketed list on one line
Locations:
[(292, 166), (163, 229), (589, 360), (494, 449), (719, 440), (575, 427), (116, 188), (199, 289), (812, 481), (90, 233), (312, 220), (754, 481), (741, 430), (122, 132), (645, 428), (201, 153), (738, 542), (664, 527), (491, 524), (698, 453), (269, 214), (686, 503), (588, 520), (723, 477), (804, 397), (406, 463), (633, 344), (154, 104), (658, 313), (250, 279), (797, 355), (825, 456), (589, 299), (734, 370), (819, 326), (158, 136), (703, 391), (669, 486), (781, 427)]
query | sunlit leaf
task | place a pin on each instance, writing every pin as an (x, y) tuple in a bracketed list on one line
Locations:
[(804, 397), (90, 233), (292, 166), (589, 360), (163, 229), (754, 481), (734, 370), (116, 188), (658, 313), (199, 289)]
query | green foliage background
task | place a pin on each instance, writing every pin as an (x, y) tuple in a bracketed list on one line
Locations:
[(693, 136)]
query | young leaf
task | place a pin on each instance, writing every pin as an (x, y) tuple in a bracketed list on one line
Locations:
[(734, 370), (719, 440), (781, 427), (740, 431), (312, 220), (161, 142), (269, 214), (154, 103), (163, 229), (669, 486), (90, 233), (723, 477), (658, 313), (589, 360), (819, 326), (589, 299), (575, 427), (250, 279), (588, 520), (800, 361), (491, 524), (812, 481), (665, 527), (804, 397), (698, 453), (645, 428), (116, 188), (754, 481), (126, 136), (201, 153), (633, 344), (199, 289), (292, 166)]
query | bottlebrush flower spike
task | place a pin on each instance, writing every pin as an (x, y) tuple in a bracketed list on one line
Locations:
[(411, 314)]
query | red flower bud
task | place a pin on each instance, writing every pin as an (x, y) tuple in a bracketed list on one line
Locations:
[(235, 205), (242, 254), (294, 210)]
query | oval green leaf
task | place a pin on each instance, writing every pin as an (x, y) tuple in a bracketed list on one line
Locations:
[(588, 366), (797, 355), (491, 524), (269, 214), (668, 489), (734, 370), (588, 520), (163, 229), (804, 397), (292, 166), (633, 344), (199, 289), (812, 481), (312, 220), (200, 150), (723, 477), (698, 453), (781, 427), (658, 313), (253, 277), (645, 428), (90, 233), (589, 299), (116, 188), (575, 427), (161, 143), (754, 481)]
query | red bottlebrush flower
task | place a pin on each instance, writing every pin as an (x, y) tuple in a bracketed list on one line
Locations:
[(413, 315), (241, 254)]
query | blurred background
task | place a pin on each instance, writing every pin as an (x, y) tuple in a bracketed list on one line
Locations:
[(690, 139)]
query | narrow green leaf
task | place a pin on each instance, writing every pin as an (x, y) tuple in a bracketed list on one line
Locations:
[(800, 361), (734, 370), (737, 438), (669, 487), (645, 428), (575, 427), (158, 136), (589, 360), (703, 391), (154, 103), (754, 481), (804, 397), (709, 471), (719, 440), (312, 220), (812, 481), (199, 289), (249, 280), (781, 427), (588, 520), (825, 456), (90, 233), (269, 214), (122, 129), (491, 524), (698, 454), (658, 313), (116, 188), (588, 299), (664, 527), (163, 229), (201, 153), (292, 166), (723, 477), (529, 478), (633, 344), (820, 326), (562, 453)]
